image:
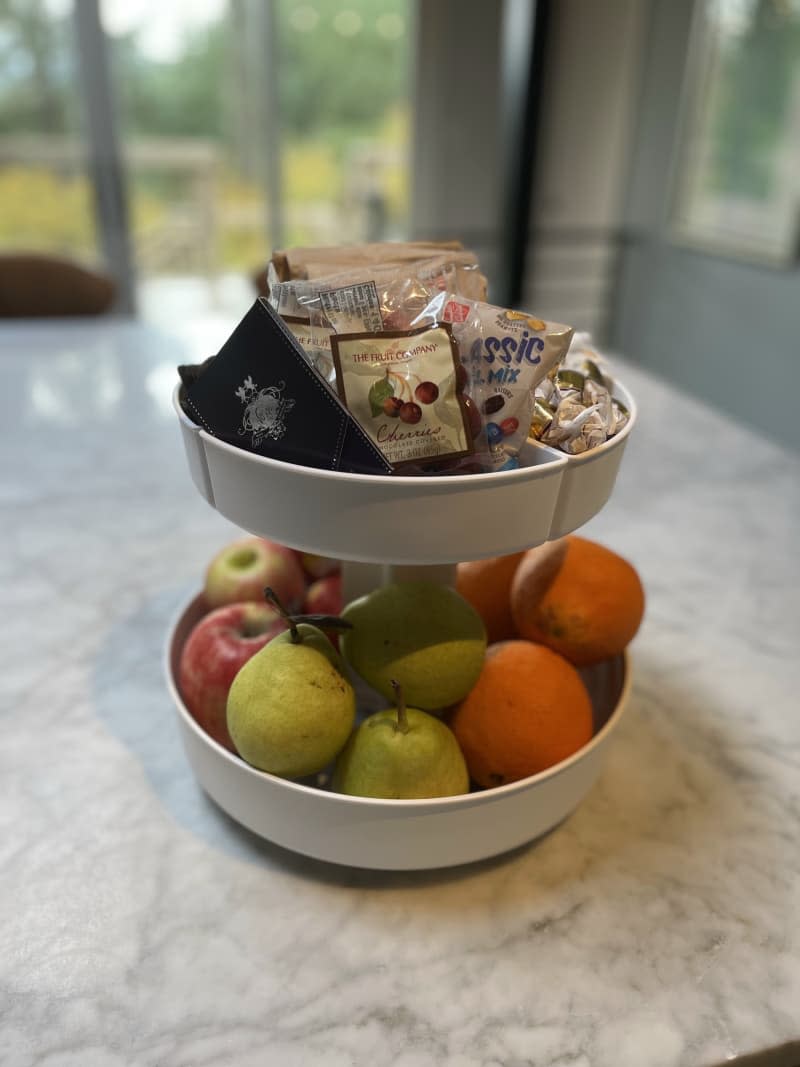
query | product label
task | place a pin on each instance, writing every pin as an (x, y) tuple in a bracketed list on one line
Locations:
[(353, 308), (455, 311), (401, 386), (301, 330), (315, 342), (284, 298)]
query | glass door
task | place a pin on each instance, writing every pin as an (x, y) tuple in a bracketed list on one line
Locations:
[(46, 198), (192, 137), (251, 124)]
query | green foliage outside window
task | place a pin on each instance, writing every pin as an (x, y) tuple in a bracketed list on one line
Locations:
[(342, 73)]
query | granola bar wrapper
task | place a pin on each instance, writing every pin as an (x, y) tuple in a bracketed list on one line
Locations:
[(321, 262)]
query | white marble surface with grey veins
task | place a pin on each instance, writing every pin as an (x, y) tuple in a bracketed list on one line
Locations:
[(141, 927)]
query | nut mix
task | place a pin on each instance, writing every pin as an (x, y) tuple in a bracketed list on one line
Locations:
[(574, 407)]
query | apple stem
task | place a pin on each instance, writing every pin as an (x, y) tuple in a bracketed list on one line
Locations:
[(402, 719), (294, 634)]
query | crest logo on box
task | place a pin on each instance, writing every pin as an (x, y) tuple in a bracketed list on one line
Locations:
[(265, 411)]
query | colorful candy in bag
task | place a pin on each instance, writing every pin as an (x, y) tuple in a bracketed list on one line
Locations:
[(505, 354)]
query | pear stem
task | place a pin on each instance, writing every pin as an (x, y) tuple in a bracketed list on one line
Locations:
[(294, 634), (402, 719), (322, 622)]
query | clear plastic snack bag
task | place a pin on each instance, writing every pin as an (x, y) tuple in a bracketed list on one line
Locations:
[(575, 409), (364, 299), (323, 262), (412, 373), (289, 300), (378, 334), (505, 354)]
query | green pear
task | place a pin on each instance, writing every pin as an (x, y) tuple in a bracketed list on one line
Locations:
[(424, 635), (291, 708), (401, 754)]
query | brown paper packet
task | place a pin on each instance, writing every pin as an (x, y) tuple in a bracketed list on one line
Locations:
[(294, 262)]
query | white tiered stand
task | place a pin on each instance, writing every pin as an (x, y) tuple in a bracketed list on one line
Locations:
[(393, 528)]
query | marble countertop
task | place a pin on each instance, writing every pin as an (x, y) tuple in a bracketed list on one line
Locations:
[(658, 926)]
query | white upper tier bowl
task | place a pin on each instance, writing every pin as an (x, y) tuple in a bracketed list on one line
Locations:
[(401, 519)]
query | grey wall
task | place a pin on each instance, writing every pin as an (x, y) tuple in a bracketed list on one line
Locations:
[(592, 71), (591, 74), (456, 159), (725, 330)]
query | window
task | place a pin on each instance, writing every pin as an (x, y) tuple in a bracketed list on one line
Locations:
[(242, 125), (737, 186), (45, 195)]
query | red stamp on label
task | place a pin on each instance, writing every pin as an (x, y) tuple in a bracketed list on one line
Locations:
[(455, 312)]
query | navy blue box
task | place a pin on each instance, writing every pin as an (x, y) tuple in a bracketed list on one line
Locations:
[(260, 393)]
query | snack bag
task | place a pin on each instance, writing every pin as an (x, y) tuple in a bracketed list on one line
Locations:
[(287, 299), (505, 355), (575, 409), (360, 300), (332, 259), (500, 356), (383, 298), (404, 388), (322, 262)]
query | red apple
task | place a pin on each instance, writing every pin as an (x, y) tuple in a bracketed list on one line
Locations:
[(317, 566), (324, 597), (218, 646), (242, 569)]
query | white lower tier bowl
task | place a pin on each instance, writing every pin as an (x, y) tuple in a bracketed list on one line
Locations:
[(402, 519), (397, 834)]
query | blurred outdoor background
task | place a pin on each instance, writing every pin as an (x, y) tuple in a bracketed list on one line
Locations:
[(631, 167), (216, 171)]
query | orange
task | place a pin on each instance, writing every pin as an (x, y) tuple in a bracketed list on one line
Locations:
[(528, 710), (577, 597), (486, 584)]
